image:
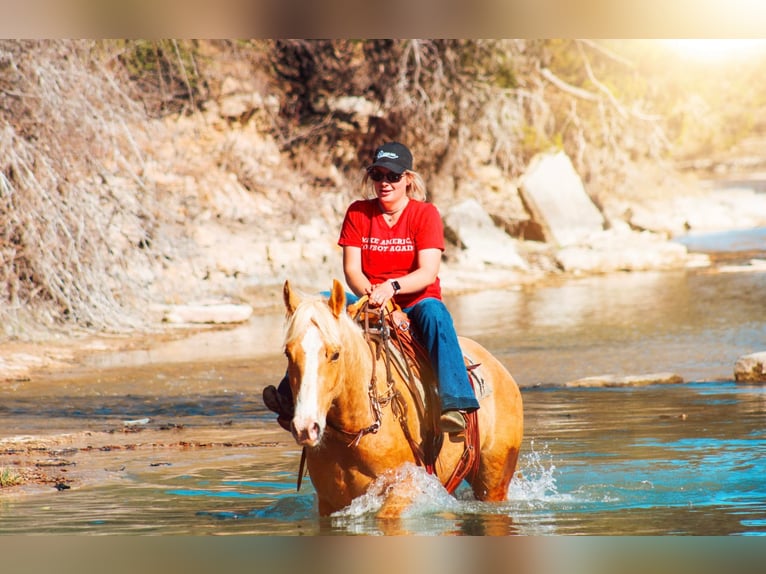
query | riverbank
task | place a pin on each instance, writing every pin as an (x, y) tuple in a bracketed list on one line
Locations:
[(39, 462), (710, 210), (188, 397)]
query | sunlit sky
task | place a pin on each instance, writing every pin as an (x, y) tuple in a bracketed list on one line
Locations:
[(716, 49)]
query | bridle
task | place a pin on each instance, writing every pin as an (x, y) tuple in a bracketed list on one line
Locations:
[(378, 336)]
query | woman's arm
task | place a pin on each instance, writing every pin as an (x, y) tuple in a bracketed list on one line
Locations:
[(429, 261), (352, 269)]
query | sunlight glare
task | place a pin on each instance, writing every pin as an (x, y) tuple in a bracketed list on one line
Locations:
[(709, 49)]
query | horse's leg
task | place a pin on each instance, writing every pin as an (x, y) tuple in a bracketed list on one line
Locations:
[(494, 475), (325, 508)]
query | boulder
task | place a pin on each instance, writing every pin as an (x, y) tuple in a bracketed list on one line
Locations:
[(482, 242), (751, 368), (753, 266), (621, 250), (556, 199), (627, 381), (207, 313), (717, 210)]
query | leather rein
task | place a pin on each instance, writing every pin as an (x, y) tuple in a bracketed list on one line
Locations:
[(378, 337)]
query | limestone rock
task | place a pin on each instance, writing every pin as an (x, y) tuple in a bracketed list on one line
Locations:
[(751, 368), (627, 381), (208, 313), (554, 194), (706, 212), (482, 242), (622, 250), (753, 266)]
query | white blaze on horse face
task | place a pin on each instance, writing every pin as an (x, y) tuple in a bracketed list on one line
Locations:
[(307, 401)]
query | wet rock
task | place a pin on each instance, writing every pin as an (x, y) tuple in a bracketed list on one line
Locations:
[(212, 313), (555, 196), (627, 381), (753, 266), (136, 422), (751, 368), (54, 462)]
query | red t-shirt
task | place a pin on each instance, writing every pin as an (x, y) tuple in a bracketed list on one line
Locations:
[(391, 252)]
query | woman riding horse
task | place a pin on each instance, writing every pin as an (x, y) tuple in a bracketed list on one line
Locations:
[(357, 420), (392, 247)]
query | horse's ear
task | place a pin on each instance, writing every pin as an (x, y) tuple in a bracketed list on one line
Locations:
[(291, 299), (337, 300)]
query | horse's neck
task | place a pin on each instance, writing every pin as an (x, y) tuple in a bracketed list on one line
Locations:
[(358, 371)]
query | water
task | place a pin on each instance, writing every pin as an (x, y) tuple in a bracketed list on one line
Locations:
[(694, 323), (733, 242), (667, 459), (684, 459)]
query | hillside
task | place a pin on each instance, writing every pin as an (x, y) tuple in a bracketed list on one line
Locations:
[(139, 175)]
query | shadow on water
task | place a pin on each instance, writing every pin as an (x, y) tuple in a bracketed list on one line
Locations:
[(674, 459)]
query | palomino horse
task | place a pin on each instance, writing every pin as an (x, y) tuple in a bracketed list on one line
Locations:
[(332, 376)]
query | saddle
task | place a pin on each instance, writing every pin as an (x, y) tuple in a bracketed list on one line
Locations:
[(387, 330)]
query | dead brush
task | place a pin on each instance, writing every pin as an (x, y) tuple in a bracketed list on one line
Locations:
[(69, 230)]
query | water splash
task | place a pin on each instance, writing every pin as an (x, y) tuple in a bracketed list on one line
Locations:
[(426, 506), (424, 491), (535, 482)]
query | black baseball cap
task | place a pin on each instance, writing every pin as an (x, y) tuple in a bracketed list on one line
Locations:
[(394, 156)]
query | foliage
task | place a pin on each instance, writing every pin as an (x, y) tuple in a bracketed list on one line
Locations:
[(9, 477), (163, 74), (441, 96), (76, 213), (707, 105)]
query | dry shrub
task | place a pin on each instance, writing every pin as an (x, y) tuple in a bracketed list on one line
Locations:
[(68, 233), (450, 100)]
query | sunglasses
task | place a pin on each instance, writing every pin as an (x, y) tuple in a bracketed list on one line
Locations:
[(390, 176)]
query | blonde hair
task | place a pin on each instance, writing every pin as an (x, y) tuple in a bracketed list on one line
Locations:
[(416, 187)]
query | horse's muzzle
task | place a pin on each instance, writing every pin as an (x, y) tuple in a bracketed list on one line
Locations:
[(307, 433)]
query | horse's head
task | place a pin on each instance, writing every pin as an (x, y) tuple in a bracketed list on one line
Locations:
[(313, 344)]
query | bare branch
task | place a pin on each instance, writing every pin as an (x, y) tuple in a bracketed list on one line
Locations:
[(608, 53), (566, 87)]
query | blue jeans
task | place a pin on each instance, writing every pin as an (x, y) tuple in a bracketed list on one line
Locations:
[(432, 325)]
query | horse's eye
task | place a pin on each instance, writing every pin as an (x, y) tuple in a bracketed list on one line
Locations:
[(335, 356)]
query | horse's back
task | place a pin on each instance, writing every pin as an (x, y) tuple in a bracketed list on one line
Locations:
[(496, 387)]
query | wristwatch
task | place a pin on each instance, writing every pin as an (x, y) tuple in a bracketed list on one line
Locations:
[(395, 285)]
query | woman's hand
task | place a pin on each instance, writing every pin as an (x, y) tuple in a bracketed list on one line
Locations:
[(380, 294)]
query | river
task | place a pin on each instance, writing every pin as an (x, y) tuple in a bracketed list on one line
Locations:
[(687, 458)]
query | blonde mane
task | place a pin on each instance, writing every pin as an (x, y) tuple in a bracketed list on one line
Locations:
[(316, 312)]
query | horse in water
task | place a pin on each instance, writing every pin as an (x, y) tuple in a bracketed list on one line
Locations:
[(356, 418)]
